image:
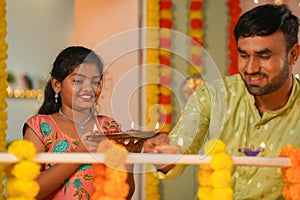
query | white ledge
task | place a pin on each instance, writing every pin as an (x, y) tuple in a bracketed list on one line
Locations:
[(148, 158)]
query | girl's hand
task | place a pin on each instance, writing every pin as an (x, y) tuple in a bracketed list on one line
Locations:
[(86, 145)]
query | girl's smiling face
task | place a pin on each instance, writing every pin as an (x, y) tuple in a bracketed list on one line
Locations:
[(81, 88)]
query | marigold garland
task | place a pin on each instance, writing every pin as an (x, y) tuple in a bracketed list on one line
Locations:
[(234, 13), (153, 59), (21, 183), (196, 34), (214, 178), (110, 177), (291, 175), (3, 93), (165, 99)]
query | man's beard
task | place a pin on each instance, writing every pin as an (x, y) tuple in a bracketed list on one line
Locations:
[(273, 85)]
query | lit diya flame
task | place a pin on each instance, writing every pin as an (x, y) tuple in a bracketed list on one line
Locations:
[(180, 142), (95, 129), (156, 126), (132, 126)]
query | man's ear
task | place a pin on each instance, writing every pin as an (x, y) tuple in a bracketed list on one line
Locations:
[(56, 85), (294, 54)]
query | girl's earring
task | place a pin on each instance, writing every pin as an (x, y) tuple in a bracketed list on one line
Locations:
[(56, 97), (97, 107)]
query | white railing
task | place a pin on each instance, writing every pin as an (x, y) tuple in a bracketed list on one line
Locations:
[(148, 158)]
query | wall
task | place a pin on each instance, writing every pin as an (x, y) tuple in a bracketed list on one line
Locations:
[(105, 26), (36, 32)]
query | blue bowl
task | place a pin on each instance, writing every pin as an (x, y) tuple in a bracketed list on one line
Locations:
[(251, 151)]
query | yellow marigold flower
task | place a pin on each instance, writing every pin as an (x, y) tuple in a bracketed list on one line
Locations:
[(115, 175), (164, 32), (165, 109), (22, 149), (16, 187), (205, 167), (196, 33), (26, 170), (166, 14), (153, 70), (166, 127), (151, 179), (204, 177), (166, 71), (3, 168), (205, 193), (225, 193), (221, 161), (197, 50), (220, 178), (152, 99), (19, 198), (164, 53), (152, 79), (152, 43), (196, 15), (165, 90), (214, 146)]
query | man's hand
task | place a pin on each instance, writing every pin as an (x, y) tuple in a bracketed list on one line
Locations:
[(152, 145)]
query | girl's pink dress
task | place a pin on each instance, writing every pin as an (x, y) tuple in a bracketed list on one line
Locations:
[(80, 184)]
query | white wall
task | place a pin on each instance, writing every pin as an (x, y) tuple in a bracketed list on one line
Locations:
[(36, 32)]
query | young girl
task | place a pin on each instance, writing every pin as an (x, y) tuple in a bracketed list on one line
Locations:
[(64, 120)]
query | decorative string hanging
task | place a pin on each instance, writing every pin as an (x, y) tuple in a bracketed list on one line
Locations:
[(152, 88), (165, 72), (196, 34)]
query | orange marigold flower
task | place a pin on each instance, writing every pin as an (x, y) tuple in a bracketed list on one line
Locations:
[(295, 191), (286, 192), (204, 177), (293, 174)]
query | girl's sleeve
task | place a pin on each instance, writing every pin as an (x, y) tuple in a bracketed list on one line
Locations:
[(108, 125)]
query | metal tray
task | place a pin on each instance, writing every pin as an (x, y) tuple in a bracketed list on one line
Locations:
[(124, 135)]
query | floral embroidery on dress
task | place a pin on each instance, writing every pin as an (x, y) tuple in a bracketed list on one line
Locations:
[(45, 128), (61, 146), (84, 166), (110, 126)]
